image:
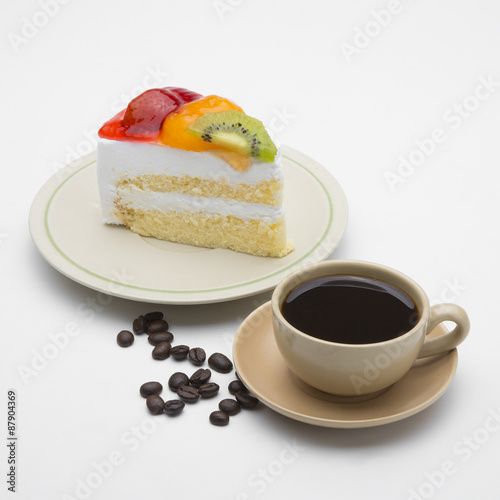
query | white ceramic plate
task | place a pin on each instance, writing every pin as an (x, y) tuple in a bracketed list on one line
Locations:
[(65, 224)]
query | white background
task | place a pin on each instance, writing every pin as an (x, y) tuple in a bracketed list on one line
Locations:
[(356, 103)]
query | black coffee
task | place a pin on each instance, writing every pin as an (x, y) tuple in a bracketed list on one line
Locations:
[(350, 309)]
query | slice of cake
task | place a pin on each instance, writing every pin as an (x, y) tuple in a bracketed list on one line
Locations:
[(196, 170)]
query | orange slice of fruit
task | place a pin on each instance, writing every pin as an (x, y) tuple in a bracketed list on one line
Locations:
[(173, 131)]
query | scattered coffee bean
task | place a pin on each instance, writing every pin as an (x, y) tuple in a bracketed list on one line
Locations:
[(153, 316), (208, 390), (199, 377), (246, 400), (173, 407), (236, 386), (150, 388), (139, 325), (179, 352), (155, 404), (159, 325), (188, 394), (161, 351), (229, 406), (197, 356), (219, 418), (156, 338), (188, 389), (220, 363), (125, 338), (176, 380)]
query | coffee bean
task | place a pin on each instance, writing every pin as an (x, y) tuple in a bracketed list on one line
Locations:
[(159, 325), (161, 351), (246, 400), (199, 377), (220, 363), (188, 394), (173, 407), (155, 404), (197, 356), (153, 316), (139, 325), (208, 390), (219, 418), (229, 406), (235, 386), (125, 338), (150, 388), (176, 380), (179, 352), (156, 338)]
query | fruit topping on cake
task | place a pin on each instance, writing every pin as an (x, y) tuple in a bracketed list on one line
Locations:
[(237, 132), (143, 117), (196, 170), (145, 114), (174, 129)]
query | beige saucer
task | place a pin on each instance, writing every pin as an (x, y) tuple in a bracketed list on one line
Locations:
[(262, 369)]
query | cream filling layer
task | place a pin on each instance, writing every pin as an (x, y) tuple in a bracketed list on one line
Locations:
[(177, 202), (118, 160)]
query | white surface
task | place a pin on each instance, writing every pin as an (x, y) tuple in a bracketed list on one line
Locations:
[(429, 76)]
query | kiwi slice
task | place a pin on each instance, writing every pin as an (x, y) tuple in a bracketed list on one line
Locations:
[(235, 131)]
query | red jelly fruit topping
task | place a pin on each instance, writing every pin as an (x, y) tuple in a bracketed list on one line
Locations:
[(143, 117)]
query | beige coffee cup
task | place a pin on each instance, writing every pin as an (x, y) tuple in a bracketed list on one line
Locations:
[(356, 370)]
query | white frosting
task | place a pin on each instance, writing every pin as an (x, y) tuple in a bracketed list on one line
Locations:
[(119, 159), (179, 202)]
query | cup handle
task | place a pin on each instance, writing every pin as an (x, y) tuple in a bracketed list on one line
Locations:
[(449, 340)]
